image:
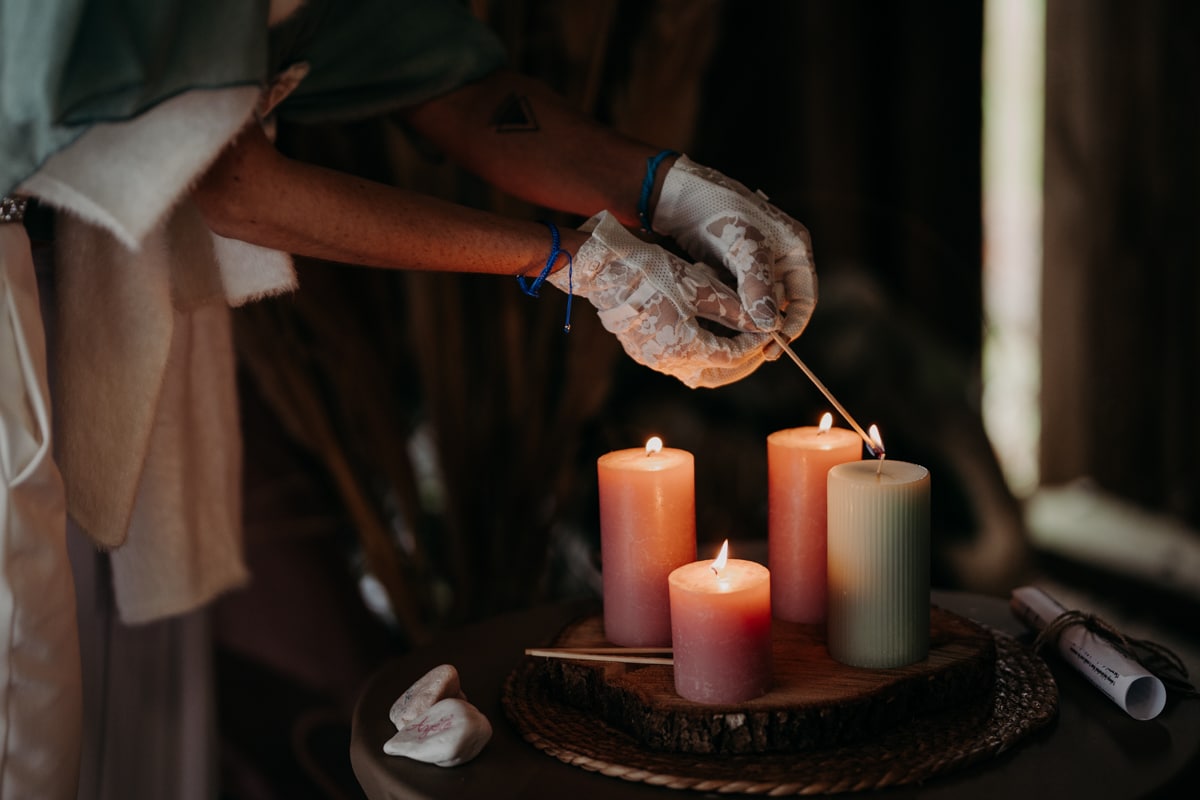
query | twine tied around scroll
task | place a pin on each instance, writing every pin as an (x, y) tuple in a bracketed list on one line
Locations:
[(1159, 659)]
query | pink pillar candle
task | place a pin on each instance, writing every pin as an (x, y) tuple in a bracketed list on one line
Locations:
[(798, 461), (647, 529), (721, 631)]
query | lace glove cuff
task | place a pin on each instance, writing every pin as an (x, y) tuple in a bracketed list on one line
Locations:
[(653, 302)]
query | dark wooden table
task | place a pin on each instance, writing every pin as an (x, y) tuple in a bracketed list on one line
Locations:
[(1092, 750)]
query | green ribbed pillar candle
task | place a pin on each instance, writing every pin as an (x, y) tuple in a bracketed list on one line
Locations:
[(878, 563)]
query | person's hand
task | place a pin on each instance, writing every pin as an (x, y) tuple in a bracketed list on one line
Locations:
[(653, 302), (719, 221)]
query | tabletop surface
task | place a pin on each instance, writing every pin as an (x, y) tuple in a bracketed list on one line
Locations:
[(1092, 749)]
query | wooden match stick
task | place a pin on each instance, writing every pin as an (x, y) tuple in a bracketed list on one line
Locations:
[(874, 446)]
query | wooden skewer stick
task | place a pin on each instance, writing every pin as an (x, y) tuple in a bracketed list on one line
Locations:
[(871, 443), (618, 655), (641, 651)]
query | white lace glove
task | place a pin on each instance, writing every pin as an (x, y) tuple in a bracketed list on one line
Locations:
[(719, 221), (653, 302)]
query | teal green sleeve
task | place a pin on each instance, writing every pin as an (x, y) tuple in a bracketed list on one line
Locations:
[(65, 64), (370, 57)]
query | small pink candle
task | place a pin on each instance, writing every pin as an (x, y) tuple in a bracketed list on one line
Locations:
[(798, 462), (647, 529), (721, 630)]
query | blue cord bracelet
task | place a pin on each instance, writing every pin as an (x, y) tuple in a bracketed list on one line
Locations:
[(648, 186), (534, 288)]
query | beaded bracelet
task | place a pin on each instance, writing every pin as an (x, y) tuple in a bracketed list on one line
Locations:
[(533, 289), (12, 208), (648, 186)]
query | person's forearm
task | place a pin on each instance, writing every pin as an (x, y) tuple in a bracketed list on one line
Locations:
[(520, 136), (257, 195)]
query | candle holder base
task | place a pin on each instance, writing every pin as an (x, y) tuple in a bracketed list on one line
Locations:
[(825, 727), (814, 701)]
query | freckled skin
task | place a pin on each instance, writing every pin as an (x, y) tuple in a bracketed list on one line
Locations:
[(566, 162), (556, 158)]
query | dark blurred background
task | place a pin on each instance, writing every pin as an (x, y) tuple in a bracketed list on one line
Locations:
[(421, 448)]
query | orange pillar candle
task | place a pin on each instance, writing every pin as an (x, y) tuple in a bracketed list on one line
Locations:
[(798, 461), (721, 630), (647, 529)]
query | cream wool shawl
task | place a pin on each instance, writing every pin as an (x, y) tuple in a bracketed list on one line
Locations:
[(149, 442)]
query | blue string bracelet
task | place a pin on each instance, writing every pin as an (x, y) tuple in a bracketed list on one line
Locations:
[(648, 186), (533, 289)]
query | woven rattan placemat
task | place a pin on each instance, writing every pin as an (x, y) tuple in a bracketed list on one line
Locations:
[(1025, 698)]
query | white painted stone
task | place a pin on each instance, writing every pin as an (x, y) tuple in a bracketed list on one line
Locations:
[(438, 684), (449, 733)]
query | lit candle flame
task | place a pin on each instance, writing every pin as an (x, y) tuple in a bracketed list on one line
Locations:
[(722, 557), (875, 437), (826, 423), (653, 445), (873, 432)]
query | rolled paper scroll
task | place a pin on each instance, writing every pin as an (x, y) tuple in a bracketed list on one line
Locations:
[(1138, 692)]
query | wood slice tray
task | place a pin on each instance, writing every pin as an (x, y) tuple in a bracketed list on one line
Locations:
[(824, 727)]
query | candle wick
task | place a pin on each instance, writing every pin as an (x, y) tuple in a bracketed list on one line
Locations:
[(716, 572), (879, 469)]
